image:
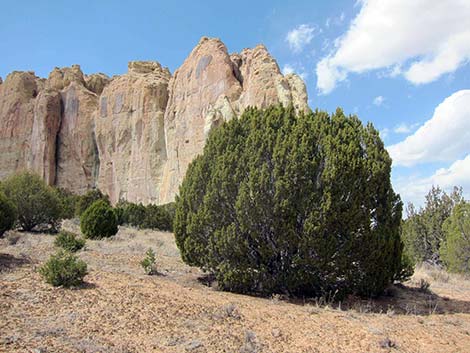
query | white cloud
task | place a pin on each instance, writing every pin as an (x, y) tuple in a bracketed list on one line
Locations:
[(384, 133), (404, 128), (378, 101), (335, 20), (287, 69), (419, 39), (327, 22), (300, 37), (445, 137), (414, 189), (299, 70)]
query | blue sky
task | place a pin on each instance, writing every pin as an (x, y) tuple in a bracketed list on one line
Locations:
[(407, 74)]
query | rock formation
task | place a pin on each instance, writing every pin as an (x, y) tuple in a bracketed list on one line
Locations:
[(210, 87), (134, 135), (130, 135)]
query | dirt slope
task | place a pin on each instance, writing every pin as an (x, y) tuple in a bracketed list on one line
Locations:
[(122, 310)]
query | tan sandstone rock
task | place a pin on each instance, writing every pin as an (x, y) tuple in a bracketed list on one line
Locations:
[(60, 78), (130, 133), (17, 95), (96, 82), (133, 135), (211, 87), (46, 123), (77, 155), (205, 77)]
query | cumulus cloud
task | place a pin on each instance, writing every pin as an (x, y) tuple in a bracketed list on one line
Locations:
[(444, 137), (378, 101), (420, 40), (300, 37), (413, 189)]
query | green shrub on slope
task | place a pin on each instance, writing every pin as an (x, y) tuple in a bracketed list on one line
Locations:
[(99, 221), (287, 203)]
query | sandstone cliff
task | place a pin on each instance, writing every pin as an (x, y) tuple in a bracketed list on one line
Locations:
[(134, 135)]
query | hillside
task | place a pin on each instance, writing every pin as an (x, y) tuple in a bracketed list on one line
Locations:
[(122, 310)]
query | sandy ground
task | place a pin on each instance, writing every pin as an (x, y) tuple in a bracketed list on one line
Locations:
[(120, 309)]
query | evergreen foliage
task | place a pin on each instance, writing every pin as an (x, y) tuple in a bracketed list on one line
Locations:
[(148, 263), (134, 214), (7, 214), (67, 202), (86, 200), (36, 203), (292, 204), (99, 221), (455, 250), (64, 269), (146, 217), (157, 217), (422, 231), (119, 210), (69, 241)]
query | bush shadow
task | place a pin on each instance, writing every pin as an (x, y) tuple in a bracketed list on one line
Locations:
[(9, 262), (398, 299)]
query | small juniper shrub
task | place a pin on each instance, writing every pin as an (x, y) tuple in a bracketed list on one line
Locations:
[(135, 214), (119, 210), (36, 203), (157, 217), (69, 241), (146, 217), (99, 221), (67, 202), (148, 263), (63, 269), (7, 214), (88, 199)]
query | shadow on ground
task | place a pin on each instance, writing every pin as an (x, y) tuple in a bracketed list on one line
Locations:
[(399, 300), (9, 262)]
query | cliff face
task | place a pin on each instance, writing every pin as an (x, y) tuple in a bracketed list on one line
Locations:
[(129, 128), (134, 135)]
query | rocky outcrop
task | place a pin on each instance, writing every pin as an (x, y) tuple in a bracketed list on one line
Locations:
[(133, 135), (130, 133), (17, 96), (205, 77), (61, 78), (46, 124), (211, 87), (96, 82), (77, 154)]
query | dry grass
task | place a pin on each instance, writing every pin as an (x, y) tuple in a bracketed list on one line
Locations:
[(121, 309)]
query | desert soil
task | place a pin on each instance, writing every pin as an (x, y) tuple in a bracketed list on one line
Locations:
[(120, 309)]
